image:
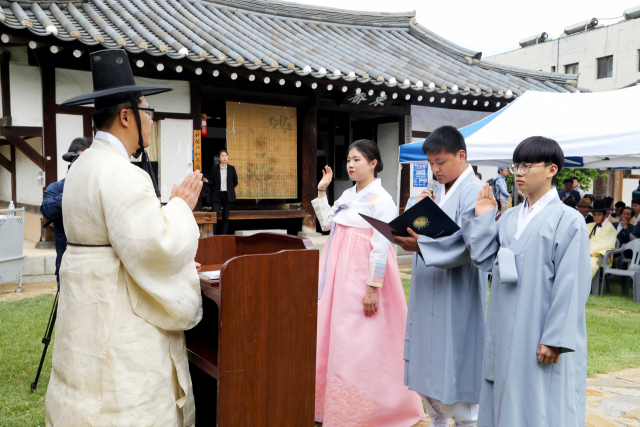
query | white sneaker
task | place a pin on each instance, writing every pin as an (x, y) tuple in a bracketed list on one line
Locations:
[(439, 422)]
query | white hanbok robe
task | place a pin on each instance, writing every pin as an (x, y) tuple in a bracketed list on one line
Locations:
[(119, 354), (444, 338), (539, 289)]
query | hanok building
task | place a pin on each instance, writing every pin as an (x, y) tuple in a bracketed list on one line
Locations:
[(286, 87)]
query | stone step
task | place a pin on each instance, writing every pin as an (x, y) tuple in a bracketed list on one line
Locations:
[(596, 421)]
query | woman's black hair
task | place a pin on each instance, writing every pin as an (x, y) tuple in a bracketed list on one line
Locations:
[(536, 149), (370, 150)]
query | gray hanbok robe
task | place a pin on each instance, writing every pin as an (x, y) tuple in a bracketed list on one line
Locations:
[(539, 289), (444, 338)]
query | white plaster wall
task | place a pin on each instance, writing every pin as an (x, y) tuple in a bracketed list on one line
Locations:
[(340, 186), (70, 83), (26, 95), (620, 40), (27, 188), (175, 154), (388, 135), (5, 176), (427, 119), (68, 127)]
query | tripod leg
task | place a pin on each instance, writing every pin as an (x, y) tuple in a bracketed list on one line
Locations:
[(46, 340)]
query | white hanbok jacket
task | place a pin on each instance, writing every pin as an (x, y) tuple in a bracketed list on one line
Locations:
[(119, 355), (373, 201)]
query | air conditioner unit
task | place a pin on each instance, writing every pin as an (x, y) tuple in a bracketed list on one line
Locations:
[(535, 39), (632, 13), (581, 26)]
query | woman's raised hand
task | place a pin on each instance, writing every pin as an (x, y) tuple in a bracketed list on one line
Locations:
[(327, 176), (486, 202)]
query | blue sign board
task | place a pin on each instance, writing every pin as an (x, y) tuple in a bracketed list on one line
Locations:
[(420, 174)]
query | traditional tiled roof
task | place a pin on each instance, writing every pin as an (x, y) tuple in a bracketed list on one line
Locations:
[(325, 43)]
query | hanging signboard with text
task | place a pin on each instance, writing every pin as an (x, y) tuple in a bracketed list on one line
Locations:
[(420, 174)]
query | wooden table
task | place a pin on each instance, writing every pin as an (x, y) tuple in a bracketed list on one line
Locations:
[(205, 221), (253, 354)]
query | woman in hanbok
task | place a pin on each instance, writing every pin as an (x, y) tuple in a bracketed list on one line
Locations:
[(362, 309)]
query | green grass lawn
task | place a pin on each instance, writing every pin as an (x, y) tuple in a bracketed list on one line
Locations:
[(613, 325)]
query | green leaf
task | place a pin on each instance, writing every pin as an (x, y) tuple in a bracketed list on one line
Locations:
[(248, 169), (262, 166), (271, 169), (257, 154), (263, 154)]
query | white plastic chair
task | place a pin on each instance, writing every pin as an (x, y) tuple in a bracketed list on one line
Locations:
[(598, 279), (12, 238), (634, 268)]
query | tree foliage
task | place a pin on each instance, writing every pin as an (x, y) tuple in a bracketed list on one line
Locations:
[(585, 177)]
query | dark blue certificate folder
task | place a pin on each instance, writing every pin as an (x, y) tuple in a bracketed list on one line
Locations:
[(425, 218)]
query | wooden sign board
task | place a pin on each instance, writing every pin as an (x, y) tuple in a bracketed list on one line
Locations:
[(197, 150)]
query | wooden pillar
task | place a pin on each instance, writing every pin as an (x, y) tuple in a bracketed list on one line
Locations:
[(5, 84), (405, 175), (14, 193), (50, 153), (196, 116), (309, 165)]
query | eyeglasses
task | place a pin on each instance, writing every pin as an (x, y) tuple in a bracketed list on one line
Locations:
[(523, 167), (149, 111)]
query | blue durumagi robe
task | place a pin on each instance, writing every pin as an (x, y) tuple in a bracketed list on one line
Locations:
[(539, 289), (444, 338)]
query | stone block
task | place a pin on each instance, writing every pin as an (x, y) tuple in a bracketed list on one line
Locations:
[(591, 392), (612, 382), (252, 232), (40, 278), (50, 265), (405, 259), (632, 375), (32, 266), (596, 421), (616, 406), (634, 414)]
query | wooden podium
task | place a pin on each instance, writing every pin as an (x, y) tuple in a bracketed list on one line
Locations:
[(253, 355)]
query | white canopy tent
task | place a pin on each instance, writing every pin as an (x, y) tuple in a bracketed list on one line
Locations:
[(595, 130)]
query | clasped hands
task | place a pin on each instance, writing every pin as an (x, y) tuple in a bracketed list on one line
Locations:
[(189, 190)]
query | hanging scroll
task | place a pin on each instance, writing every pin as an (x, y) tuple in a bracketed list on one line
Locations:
[(262, 144)]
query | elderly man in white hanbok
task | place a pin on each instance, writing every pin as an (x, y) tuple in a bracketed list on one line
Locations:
[(129, 286)]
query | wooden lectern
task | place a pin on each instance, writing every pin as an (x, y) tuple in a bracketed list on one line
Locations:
[(253, 355)]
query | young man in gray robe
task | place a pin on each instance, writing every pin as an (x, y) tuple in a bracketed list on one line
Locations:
[(446, 316), (535, 362)]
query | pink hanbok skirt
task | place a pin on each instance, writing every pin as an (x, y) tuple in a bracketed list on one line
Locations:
[(359, 364)]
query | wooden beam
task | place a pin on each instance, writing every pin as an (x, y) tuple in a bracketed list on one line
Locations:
[(11, 40), (50, 151), (87, 126), (14, 174), (419, 134), (308, 154), (195, 92), (27, 150), (161, 115), (20, 131), (5, 163), (5, 87)]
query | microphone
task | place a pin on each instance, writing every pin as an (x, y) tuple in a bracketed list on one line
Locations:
[(432, 185)]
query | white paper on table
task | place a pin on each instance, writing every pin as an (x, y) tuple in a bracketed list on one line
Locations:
[(214, 275)]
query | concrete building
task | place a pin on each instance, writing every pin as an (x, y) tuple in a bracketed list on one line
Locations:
[(605, 57)]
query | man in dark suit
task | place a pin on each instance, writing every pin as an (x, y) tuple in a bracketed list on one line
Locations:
[(569, 196), (223, 183)]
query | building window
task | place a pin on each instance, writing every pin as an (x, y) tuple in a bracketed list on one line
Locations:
[(605, 67), (553, 68), (571, 69)]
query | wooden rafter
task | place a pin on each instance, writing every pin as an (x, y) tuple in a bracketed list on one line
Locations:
[(27, 150), (5, 163)]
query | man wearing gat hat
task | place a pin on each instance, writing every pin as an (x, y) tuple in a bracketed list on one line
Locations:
[(128, 280)]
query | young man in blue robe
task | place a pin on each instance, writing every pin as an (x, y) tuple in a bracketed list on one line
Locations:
[(444, 336), (535, 361)]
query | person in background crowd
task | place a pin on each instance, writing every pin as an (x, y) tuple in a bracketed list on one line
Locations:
[(479, 176), (636, 192), (626, 231), (576, 186), (635, 205), (501, 187), (569, 196), (52, 205), (602, 234), (612, 218), (619, 206), (583, 208), (224, 181)]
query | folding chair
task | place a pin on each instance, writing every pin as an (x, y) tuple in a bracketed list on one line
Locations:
[(634, 268), (12, 238)]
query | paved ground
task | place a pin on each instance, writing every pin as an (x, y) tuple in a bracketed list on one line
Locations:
[(7, 290)]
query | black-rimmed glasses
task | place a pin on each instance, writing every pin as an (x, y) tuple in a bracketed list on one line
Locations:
[(523, 167), (148, 111)]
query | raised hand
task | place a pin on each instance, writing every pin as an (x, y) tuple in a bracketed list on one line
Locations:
[(486, 202), (327, 176), (426, 193)]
